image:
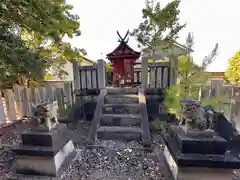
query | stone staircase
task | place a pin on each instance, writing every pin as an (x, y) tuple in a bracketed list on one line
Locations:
[(121, 114)]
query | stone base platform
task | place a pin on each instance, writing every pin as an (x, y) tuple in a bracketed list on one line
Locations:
[(44, 138), (13, 175), (198, 144), (198, 158), (195, 173), (44, 153)]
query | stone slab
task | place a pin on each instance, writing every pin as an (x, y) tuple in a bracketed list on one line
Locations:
[(226, 130), (126, 90), (119, 133), (12, 175), (155, 98), (89, 107), (152, 108), (87, 92), (120, 120), (222, 161), (121, 109), (46, 128), (121, 99), (146, 137), (45, 151), (198, 144), (154, 91), (46, 166), (193, 173), (51, 138)]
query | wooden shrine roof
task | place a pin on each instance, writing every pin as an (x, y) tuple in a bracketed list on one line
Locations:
[(123, 51)]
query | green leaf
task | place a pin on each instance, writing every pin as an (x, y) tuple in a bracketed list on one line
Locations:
[(31, 34), (233, 71)]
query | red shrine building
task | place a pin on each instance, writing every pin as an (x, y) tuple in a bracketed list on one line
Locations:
[(123, 60)]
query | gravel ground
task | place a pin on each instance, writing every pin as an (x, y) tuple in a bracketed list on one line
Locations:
[(107, 160), (8, 141), (117, 160)]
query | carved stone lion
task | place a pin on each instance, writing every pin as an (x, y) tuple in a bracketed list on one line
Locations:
[(45, 116), (194, 116)]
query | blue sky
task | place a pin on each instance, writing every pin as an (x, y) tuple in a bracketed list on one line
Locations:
[(210, 21)]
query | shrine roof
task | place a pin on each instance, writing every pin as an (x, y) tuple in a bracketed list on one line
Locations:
[(123, 50)]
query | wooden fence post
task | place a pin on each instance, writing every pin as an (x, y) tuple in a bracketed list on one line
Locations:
[(173, 69), (60, 97), (101, 66), (49, 93), (68, 91), (144, 70), (2, 118), (27, 110), (34, 96), (40, 89), (152, 77), (17, 95), (173, 59), (76, 76), (10, 105)]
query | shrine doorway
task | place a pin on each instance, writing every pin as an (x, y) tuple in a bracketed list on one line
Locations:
[(128, 71), (123, 59)]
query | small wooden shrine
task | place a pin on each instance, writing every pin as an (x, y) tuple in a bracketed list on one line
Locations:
[(123, 59)]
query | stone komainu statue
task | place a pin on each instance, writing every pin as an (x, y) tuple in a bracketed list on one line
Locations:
[(194, 116), (44, 115)]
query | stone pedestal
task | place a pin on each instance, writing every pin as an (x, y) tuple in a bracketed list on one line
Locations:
[(198, 157), (44, 153)]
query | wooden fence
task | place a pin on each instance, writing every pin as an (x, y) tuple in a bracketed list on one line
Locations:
[(154, 75), (17, 103), (90, 77), (231, 94), (151, 75), (159, 76), (137, 77)]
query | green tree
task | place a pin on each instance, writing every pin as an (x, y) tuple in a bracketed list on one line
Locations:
[(190, 75), (160, 26), (233, 71), (46, 17), (31, 38), (191, 79), (109, 67)]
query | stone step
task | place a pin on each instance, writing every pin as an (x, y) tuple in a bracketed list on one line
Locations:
[(120, 120), (119, 133), (121, 99), (121, 109), (125, 90)]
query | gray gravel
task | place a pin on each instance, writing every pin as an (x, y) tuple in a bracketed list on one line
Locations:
[(117, 160), (108, 160)]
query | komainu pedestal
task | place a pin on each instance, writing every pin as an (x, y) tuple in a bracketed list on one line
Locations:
[(198, 157), (195, 152), (46, 149)]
